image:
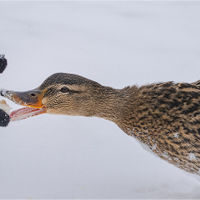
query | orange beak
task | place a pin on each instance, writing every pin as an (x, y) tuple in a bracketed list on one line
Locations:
[(31, 99)]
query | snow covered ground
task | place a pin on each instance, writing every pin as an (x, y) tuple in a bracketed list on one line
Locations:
[(116, 44)]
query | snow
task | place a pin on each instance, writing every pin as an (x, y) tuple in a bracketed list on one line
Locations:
[(192, 156), (176, 135), (154, 147), (116, 44)]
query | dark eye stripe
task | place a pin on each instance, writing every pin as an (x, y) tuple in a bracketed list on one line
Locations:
[(74, 91), (53, 91)]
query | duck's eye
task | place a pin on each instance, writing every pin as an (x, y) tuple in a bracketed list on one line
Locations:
[(64, 90)]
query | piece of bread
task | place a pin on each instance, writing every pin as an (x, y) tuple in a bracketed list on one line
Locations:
[(5, 107)]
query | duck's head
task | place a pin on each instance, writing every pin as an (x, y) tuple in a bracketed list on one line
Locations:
[(60, 93)]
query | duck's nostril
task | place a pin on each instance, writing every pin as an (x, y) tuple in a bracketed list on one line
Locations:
[(33, 94)]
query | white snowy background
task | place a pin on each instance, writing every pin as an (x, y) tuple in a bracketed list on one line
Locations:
[(116, 44)]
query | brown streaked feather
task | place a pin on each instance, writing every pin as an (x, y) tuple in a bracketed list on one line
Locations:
[(166, 117), (196, 83)]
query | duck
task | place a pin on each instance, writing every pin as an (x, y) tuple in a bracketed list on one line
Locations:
[(163, 117)]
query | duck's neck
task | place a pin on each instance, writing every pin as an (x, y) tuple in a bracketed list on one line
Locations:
[(109, 104)]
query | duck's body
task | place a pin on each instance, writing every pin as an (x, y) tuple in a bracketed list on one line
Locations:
[(165, 117)]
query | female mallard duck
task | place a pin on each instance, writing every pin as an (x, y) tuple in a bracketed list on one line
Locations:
[(165, 116)]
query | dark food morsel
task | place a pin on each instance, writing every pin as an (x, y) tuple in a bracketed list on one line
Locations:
[(3, 63), (4, 118)]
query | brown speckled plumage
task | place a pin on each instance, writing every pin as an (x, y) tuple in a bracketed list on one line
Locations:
[(164, 116)]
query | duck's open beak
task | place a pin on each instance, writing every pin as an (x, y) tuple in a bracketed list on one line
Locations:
[(31, 99)]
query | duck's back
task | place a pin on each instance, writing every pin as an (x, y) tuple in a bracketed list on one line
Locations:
[(166, 117)]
